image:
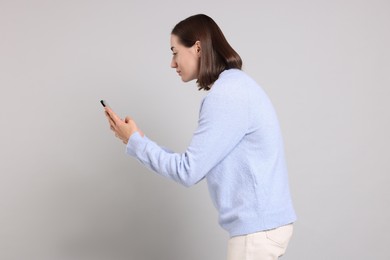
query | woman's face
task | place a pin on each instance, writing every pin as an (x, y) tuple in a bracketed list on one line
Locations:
[(185, 60)]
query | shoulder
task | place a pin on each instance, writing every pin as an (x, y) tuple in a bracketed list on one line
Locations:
[(231, 76), (232, 89), (233, 79), (234, 83)]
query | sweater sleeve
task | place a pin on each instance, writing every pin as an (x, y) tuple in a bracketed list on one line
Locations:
[(223, 122)]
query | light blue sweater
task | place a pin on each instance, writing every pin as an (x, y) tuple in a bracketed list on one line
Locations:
[(238, 148)]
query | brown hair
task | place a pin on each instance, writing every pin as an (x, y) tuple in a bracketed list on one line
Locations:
[(216, 53)]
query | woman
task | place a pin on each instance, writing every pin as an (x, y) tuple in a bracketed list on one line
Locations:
[(237, 146)]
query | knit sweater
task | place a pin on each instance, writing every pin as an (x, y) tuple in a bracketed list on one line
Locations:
[(238, 148)]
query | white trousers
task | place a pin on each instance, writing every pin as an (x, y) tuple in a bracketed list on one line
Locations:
[(264, 245)]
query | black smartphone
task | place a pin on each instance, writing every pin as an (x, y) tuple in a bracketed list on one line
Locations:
[(104, 103)]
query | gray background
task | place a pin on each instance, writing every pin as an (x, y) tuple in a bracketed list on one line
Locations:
[(67, 189)]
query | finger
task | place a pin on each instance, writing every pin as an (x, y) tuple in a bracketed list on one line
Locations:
[(109, 118), (107, 115), (112, 115), (110, 122)]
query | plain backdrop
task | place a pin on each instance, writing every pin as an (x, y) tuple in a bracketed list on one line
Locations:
[(68, 191)]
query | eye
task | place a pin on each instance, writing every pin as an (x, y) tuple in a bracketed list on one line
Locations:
[(174, 53)]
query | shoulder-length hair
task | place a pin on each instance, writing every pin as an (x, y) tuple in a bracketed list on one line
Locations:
[(216, 53)]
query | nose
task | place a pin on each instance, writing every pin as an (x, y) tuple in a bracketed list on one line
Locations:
[(173, 63)]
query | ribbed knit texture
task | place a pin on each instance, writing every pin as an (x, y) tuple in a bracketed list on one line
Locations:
[(239, 149)]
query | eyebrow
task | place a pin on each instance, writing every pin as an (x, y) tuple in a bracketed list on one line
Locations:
[(172, 48)]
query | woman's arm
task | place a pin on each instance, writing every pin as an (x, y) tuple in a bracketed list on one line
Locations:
[(223, 122)]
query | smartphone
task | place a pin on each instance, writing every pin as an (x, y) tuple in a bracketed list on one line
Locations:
[(104, 103)]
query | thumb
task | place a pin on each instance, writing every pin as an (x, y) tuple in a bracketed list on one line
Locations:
[(128, 119)]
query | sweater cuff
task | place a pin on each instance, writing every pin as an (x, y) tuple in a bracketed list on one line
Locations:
[(136, 144)]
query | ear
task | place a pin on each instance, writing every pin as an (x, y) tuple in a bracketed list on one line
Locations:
[(197, 47)]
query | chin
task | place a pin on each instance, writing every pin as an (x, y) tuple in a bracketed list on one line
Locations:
[(186, 79)]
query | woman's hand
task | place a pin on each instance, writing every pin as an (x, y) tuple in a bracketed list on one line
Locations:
[(123, 129)]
